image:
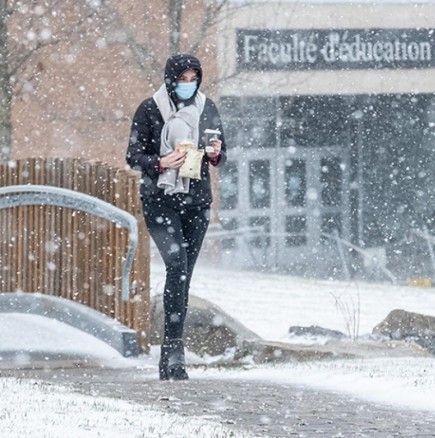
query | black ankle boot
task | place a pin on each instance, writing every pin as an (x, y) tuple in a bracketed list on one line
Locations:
[(163, 363), (176, 367)]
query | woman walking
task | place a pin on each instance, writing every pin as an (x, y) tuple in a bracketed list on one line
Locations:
[(176, 197)]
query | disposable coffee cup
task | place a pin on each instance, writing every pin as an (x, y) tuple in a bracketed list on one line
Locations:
[(210, 136)]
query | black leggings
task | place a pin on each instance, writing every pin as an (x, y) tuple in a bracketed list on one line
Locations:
[(178, 235)]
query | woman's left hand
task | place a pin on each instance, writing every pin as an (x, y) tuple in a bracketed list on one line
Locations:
[(217, 145)]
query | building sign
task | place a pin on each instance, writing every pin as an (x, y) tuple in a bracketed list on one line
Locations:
[(320, 49)]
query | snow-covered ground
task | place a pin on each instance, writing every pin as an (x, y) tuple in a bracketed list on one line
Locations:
[(35, 409), (268, 304)]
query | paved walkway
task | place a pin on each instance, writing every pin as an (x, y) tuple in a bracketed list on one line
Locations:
[(261, 408)]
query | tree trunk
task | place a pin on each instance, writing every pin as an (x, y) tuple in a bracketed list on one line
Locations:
[(174, 14), (5, 88)]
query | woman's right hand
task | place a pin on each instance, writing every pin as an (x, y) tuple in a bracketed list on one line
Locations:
[(173, 161)]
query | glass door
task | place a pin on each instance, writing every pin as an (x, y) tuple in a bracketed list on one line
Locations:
[(312, 202), (282, 207), (248, 206)]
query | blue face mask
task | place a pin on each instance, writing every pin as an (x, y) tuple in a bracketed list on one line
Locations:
[(185, 90)]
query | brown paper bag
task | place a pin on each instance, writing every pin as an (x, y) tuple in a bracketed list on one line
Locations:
[(192, 166)]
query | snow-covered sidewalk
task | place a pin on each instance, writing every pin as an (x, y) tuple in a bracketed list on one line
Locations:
[(401, 383), (32, 408)]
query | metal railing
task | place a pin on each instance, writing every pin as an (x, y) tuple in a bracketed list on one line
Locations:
[(245, 234), (24, 195)]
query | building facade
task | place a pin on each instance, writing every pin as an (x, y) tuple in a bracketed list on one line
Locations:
[(328, 107), (329, 111)]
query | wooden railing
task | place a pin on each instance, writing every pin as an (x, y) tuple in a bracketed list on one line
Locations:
[(71, 254)]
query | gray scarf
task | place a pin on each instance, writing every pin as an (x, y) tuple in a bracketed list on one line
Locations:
[(179, 125)]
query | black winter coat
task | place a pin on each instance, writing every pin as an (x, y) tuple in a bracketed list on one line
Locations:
[(143, 154)]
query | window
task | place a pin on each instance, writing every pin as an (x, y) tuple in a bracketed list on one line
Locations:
[(295, 185), (296, 229), (229, 225), (261, 240), (249, 121), (259, 184), (331, 180), (228, 186), (331, 222), (315, 121)]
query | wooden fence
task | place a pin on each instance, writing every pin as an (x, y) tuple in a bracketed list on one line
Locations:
[(71, 254)]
